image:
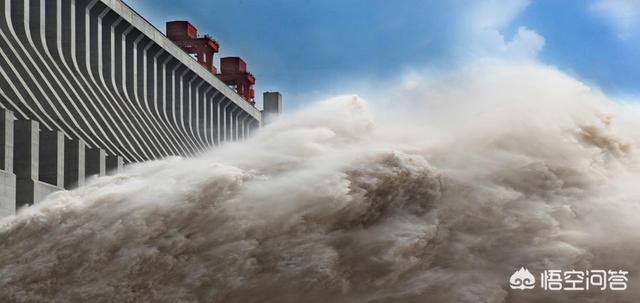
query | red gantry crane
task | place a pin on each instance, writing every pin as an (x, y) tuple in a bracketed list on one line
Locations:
[(233, 70)]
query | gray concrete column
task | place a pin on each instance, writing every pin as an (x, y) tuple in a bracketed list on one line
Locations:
[(231, 124), (236, 127), (243, 127), (95, 162), (7, 178), (272, 106), (6, 140), (25, 157), (52, 158), (25, 160), (114, 164), (74, 159)]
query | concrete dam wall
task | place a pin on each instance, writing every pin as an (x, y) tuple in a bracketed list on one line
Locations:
[(89, 85)]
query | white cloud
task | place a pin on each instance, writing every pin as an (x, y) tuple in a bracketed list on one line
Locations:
[(525, 44), (484, 27), (623, 14), (495, 14)]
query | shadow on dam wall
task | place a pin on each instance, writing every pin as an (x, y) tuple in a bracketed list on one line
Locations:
[(36, 162)]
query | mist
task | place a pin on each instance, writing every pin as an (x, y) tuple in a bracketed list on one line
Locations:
[(436, 190)]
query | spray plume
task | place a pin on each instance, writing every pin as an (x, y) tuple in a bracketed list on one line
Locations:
[(437, 192)]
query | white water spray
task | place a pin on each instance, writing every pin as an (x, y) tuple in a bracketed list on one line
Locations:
[(461, 180)]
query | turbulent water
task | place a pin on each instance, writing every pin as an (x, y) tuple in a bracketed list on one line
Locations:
[(436, 192)]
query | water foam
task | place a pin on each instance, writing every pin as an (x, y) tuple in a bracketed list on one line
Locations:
[(437, 192)]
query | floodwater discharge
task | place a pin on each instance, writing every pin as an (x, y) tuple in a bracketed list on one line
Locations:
[(436, 191)]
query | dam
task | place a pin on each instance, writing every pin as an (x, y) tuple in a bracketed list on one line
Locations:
[(88, 86)]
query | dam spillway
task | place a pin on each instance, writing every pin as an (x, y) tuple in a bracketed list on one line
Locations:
[(89, 85)]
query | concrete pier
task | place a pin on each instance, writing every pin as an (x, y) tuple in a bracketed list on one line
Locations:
[(7, 177), (95, 162), (52, 158), (114, 164), (35, 163), (26, 163), (74, 163), (25, 160)]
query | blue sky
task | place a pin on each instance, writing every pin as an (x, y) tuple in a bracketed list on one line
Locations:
[(308, 49)]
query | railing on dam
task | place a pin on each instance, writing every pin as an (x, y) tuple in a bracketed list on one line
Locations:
[(97, 80)]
